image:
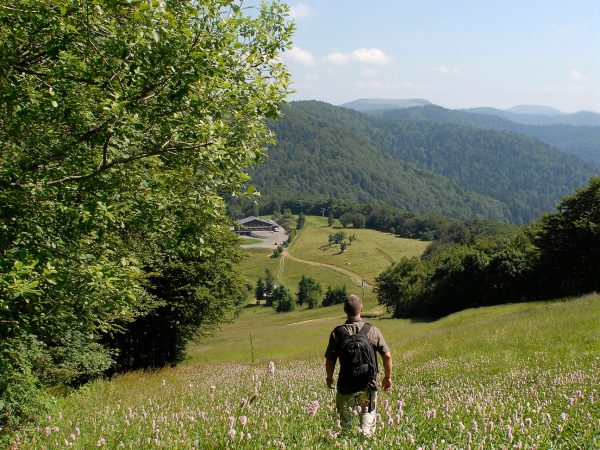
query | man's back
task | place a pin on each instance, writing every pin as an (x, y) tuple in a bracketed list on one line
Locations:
[(352, 390)]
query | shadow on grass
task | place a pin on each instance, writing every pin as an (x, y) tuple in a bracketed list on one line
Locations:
[(255, 305)]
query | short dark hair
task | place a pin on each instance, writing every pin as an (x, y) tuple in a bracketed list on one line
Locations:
[(352, 305)]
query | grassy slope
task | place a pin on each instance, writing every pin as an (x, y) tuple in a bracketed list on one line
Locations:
[(533, 368), (369, 254), (503, 333), (500, 365)]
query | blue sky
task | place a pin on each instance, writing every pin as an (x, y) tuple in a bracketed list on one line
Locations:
[(457, 54)]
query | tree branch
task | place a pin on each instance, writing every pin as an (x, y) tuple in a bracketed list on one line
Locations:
[(20, 69), (121, 161)]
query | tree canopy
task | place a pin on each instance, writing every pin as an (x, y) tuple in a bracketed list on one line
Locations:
[(557, 256), (122, 125)]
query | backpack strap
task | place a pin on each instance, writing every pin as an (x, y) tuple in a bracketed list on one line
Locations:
[(365, 329), (341, 331)]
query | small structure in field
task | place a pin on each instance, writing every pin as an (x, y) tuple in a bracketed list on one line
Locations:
[(249, 224)]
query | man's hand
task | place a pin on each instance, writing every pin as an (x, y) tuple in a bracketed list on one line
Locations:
[(330, 384), (386, 383)]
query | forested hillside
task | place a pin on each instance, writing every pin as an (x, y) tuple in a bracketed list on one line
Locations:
[(580, 141), (461, 171)]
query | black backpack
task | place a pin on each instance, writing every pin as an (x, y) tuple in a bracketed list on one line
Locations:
[(358, 361)]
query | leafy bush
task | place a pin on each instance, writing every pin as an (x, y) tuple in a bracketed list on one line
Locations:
[(334, 296), (282, 299), (309, 292)]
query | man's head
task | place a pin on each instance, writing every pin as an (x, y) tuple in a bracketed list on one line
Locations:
[(353, 306)]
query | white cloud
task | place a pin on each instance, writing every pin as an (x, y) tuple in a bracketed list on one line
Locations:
[(577, 75), (444, 70), (336, 59), (311, 77), (368, 72), (301, 11), (370, 56), (296, 54), (361, 55)]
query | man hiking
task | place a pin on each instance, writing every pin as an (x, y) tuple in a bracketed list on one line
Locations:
[(354, 343)]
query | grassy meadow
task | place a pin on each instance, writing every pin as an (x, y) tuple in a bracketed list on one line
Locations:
[(370, 253), (513, 376)]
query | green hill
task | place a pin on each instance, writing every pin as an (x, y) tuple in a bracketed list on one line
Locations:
[(459, 171), (580, 141)]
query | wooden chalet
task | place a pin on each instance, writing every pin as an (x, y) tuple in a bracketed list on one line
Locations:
[(250, 224)]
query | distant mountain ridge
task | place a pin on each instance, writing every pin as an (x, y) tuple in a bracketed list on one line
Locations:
[(524, 114), (581, 118), (580, 141), (381, 104), (537, 110), (458, 170)]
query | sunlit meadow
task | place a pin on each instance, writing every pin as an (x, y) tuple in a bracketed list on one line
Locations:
[(468, 381)]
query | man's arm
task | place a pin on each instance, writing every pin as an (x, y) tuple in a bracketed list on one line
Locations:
[(387, 368), (329, 368)]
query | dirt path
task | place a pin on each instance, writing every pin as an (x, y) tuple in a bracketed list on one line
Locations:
[(281, 264), (356, 278)]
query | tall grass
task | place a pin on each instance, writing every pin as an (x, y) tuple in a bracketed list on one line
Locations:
[(512, 376)]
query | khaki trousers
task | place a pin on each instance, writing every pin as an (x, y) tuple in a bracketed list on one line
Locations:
[(354, 405)]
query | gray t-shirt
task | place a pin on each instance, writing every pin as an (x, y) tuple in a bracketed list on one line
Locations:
[(353, 326)]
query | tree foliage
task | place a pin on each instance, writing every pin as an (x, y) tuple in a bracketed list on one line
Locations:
[(122, 124), (569, 243), (300, 221), (198, 292), (259, 292), (456, 170), (557, 256), (282, 299), (309, 292), (269, 287), (335, 296)]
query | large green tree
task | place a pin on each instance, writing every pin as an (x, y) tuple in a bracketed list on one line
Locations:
[(310, 292), (122, 124), (569, 244)]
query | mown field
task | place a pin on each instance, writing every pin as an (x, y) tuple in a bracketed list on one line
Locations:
[(368, 255), (513, 376)]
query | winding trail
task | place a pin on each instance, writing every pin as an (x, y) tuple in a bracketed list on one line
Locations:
[(356, 278)]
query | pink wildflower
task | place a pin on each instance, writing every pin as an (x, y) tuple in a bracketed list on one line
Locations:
[(271, 367), (314, 407)]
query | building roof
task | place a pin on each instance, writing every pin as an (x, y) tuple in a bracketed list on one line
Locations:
[(258, 219)]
